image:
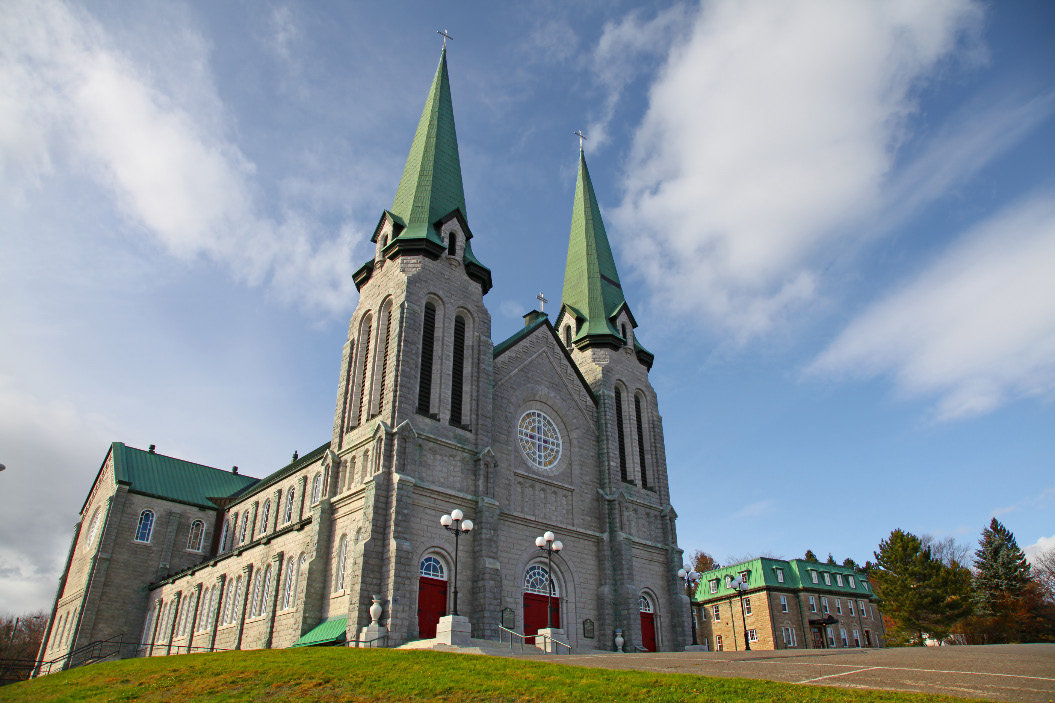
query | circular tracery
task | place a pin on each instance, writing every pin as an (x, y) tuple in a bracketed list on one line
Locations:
[(539, 439)]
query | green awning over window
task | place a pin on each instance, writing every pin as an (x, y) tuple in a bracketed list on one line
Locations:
[(328, 632)]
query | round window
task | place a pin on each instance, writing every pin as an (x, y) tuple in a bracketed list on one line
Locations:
[(539, 439)]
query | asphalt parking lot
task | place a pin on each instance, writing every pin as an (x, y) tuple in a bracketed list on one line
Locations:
[(1018, 672)]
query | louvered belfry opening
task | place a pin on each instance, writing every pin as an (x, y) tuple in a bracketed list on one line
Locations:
[(364, 352), (384, 360), (457, 370), (428, 339), (619, 433), (640, 441)]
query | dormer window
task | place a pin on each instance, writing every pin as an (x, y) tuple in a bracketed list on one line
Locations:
[(452, 244)]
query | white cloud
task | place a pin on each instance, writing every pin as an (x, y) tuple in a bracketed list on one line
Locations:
[(756, 509), (70, 95), (975, 329), (770, 134), (1041, 545)]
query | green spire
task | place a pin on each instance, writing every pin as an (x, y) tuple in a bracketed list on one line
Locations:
[(431, 186), (591, 283)]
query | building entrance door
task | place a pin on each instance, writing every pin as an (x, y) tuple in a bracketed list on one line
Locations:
[(818, 638), (648, 631), (432, 605), (536, 614), (868, 638)]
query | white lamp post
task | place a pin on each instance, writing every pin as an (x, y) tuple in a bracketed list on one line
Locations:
[(455, 524), (691, 578), (740, 585), (549, 544)]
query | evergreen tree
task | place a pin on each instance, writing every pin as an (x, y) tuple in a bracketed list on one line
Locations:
[(850, 563), (831, 559), (1002, 570), (810, 556), (920, 594)]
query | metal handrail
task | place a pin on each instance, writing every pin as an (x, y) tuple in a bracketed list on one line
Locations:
[(556, 641), (501, 637)]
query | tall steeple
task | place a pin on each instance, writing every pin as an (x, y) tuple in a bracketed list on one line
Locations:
[(430, 192), (592, 292), (431, 186)]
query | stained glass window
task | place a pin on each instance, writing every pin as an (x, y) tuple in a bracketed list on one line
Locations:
[(539, 439)]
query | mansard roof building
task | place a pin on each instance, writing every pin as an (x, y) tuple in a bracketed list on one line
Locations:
[(556, 428)]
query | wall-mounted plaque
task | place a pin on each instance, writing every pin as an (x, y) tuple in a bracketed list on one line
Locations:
[(587, 628), (509, 619)]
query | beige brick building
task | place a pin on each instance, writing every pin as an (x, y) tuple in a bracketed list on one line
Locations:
[(787, 605), (556, 428)]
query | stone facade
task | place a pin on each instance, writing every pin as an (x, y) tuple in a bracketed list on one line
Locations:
[(429, 417), (784, 608)]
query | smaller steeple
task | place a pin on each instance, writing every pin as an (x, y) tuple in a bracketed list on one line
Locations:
[(592, 294)]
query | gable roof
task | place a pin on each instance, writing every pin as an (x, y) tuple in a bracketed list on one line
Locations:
[(161, 476), (535, 321)]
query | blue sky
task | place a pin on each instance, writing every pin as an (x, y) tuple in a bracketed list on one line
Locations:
[(835, 223)]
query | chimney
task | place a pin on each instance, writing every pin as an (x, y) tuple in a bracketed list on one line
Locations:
[(234, 469), (295, 456), (151, 450), (532, 317)]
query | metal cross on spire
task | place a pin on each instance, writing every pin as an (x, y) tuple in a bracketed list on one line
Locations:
[(445, 37), (581, 136), (541, 302)]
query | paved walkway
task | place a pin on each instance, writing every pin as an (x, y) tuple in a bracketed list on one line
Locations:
[(1019, 672)]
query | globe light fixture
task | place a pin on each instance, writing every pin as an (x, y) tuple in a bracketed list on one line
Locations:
[(740, 585), (691, 578), (455, 524), (549, 544)]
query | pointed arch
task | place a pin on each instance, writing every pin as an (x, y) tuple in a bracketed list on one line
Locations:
[(428, 348), (379, 375), (640, 426), (621, 434)]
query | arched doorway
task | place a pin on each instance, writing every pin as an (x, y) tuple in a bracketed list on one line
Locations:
[(648, 622), (432, 595), (537, 602)]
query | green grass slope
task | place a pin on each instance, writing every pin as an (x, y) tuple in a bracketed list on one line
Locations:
[(343, 674)]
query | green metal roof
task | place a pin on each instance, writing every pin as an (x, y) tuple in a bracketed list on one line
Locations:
[(591, 282), (762, 573), (431, 186), (174, 479), (329, 631)]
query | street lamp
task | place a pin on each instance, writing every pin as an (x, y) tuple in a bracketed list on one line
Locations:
[(740, 585), (691, 578), (455, 524), (548, 544)]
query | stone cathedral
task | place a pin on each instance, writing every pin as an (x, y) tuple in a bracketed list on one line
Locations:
[(556, 428)]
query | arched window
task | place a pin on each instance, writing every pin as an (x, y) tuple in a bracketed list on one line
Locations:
[(640, 441), (224, 535), (287, 516), (364, 354), (380, 374), (266, 597), (619, 434), (428, 339), (342, 555), (62, 629), (228, 603), (242, 529), (457, 370), (287, 598), (377, 456), (258, 591), (197, 536), (626, 340), (536, 580), (93, 527), (201, 610), (146, 526), (316, 489), (644, 604), (265, 515), (384, 241), (452, 244), (432, 568), (358, 535), (148, 627), (567, 336)]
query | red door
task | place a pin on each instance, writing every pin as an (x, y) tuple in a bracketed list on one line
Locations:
[(432, 605), (648, 631), (536, 614)]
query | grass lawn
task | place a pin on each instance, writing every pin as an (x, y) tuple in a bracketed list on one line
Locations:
[(343, 674)]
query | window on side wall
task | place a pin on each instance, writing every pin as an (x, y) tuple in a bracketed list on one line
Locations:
[(824, 605), (718, 643), (146, 526), (717, 613), (813, 604), (752, 636), (838, 606), (747, 606), (850, 605), (783, 604)]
